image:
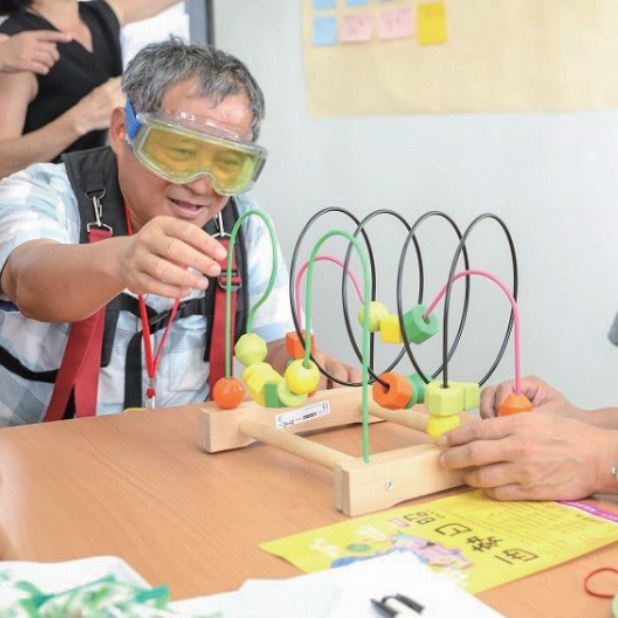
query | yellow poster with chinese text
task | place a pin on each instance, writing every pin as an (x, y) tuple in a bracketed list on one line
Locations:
[(478, 542)]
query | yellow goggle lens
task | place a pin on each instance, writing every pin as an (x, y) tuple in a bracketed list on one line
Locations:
[(181, 156)]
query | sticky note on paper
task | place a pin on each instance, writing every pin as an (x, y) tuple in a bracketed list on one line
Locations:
[(324, 31), (356, 2), (356, 28), (324, 5), (431, 23), (395, 24)]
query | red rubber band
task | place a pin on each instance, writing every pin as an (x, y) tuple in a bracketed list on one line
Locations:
[(595, 593)]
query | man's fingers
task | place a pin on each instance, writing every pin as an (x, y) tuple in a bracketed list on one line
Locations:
[(491, 476), (508, 493), (487, 406), (183, 244), (155, 286), (477, 444), (340, 374), (488, 429), (477, 453)]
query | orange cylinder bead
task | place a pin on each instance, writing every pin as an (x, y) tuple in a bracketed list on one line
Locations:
[(396, 394), (513, 404)]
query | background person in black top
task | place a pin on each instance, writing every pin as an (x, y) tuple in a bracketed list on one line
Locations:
[(43, 116)]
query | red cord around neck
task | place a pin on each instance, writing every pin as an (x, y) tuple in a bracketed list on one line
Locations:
[(151, 358)]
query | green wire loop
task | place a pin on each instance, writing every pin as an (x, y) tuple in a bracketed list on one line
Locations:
[(365, 344), (228, 282)]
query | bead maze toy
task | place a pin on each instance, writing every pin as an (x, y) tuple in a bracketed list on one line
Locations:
[(281, 407)]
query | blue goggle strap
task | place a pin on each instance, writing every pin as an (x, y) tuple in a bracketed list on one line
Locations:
[(133, 124)]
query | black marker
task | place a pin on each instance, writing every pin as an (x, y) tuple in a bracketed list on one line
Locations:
[(398, 605)]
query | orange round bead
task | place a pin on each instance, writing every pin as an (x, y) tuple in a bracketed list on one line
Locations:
[(228, 393)]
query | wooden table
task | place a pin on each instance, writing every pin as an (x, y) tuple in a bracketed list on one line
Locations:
[(138, 486)]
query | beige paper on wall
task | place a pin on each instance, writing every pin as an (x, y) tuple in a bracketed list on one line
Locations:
[(498, 56)]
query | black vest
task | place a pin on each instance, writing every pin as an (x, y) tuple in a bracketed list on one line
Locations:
[(94, 178)]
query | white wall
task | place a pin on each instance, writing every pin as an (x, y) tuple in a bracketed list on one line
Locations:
[(553, 178)]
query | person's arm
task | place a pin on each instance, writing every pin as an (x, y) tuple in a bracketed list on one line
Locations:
[(33, 50), (129, 11), (54, 282), (17, 151)]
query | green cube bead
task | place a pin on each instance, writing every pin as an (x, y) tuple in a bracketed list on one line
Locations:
[(271, 398), (417, 328)]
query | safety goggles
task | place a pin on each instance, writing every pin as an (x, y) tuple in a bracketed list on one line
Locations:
[(181, 149)]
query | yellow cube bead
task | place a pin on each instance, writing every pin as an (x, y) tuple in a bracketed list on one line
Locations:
[(258, 379), (262, 367), (472, 394), (390, 332), (437, 425), (443, 401)]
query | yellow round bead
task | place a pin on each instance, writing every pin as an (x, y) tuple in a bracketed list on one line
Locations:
[(377, 311), (300, 379), (250, 349)]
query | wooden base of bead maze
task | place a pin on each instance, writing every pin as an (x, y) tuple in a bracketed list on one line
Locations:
[(360, 487)]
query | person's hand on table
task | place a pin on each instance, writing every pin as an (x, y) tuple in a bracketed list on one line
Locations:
[(547, 454)]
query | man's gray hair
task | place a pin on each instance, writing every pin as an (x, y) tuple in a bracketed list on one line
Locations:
[(158, 66)]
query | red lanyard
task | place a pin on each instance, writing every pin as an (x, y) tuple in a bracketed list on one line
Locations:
[(151, 359)]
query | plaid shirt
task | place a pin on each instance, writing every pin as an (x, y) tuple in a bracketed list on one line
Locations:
[(39, 203)]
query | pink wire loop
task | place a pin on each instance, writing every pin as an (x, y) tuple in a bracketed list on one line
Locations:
[(322, 258)]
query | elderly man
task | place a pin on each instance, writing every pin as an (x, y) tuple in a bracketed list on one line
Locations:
[(137, 229)]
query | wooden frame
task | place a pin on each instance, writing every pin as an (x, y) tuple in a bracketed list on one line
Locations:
[(360, 487)]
